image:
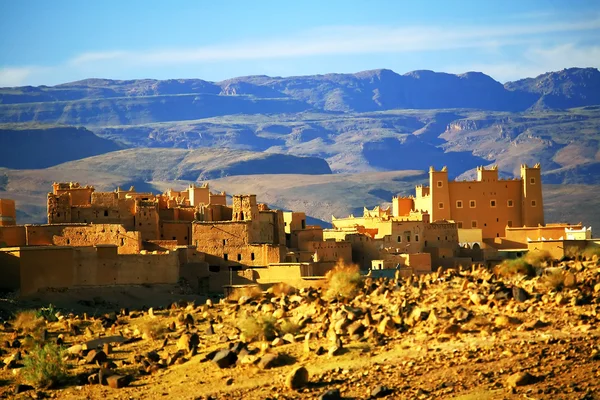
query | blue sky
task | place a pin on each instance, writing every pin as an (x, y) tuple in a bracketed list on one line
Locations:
[(50, 42)]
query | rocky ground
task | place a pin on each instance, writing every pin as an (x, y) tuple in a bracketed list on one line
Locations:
[(455, 334)]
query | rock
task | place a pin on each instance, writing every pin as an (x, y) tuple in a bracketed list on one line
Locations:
[(519, 294), (94, 356), (570, 281), (533, 324), (107, 348), (229, 381), (277, 342), (333, 394), (153, 356), (297, 378), (210, 330), (289, 338), (93, 379), (117, 381), (452, 329), (20, 388), (188, 341), (225, 358), (386, 326), (521, 379), (380, 391), (356, 328), (269, 361)]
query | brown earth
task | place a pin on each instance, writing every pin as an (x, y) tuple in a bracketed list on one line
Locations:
[(447, 335)]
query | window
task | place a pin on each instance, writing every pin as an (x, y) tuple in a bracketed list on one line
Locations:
[(459, 204), (285, 224), (440, 184), (459, 224), (106, 213), (122, 242), (532, 181), (509, 223), (174, 238), (58, 214), (510, 203), (408, 238), (224, 242), (225, 256), (399, 239), (533, 203), (472, 204), (497, 219), (492, 203), (473, 224), (416, 238), (440, 205), (303, 224), (252, 256), (239, 257)]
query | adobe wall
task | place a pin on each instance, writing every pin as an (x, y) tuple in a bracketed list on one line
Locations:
[(492, 211), (46, 267), (9, 269), (520, 235), (181, 232), (331, 251), (8, 212), (300, 239), (294, 221), (557, 248), (128, 242), (13, 236), (159, 245)]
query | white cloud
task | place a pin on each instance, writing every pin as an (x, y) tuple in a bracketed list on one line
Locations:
[(15, 76), (331, 41), (535, 61)]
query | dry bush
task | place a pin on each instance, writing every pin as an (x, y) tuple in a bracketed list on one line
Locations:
[(153, 330), (510, 268), (28, 322), (553, 279), (289, 326), (44, 366), (591, 253), (251, 292), (282, 288), (538, 258), (342, 281), (262, 328)]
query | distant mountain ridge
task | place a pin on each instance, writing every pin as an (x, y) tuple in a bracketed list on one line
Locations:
[(373, 90)]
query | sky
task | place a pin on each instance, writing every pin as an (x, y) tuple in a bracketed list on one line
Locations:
[(47, 42)]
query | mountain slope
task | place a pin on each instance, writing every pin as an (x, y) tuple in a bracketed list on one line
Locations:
[(44, 147)]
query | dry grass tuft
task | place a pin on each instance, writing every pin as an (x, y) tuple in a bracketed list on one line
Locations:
[(538, 258), (343, 281), (289, 326), (591, 253), (44, 366), (282, 288), (153, 330), (251, 292), (556, 279), (28, 322), (262, 328)]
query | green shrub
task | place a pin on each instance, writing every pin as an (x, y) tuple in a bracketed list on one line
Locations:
[(538, 258), (44, 366), (47, 313), (289, 326)]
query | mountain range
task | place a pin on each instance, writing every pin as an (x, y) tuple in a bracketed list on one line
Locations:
[(149, 131)]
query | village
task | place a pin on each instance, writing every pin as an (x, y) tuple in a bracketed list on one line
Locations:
[(217, 243)]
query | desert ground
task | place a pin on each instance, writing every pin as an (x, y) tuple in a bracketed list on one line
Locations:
[(525, 330)]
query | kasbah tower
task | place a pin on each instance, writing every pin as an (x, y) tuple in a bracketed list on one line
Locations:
[(489, 203)]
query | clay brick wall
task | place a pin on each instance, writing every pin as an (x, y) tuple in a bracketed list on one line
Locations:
[(9, 269), (46, 267), (159, 245), (8, 212), (299, 239), (331, 251), (181, 232), (13, 236)]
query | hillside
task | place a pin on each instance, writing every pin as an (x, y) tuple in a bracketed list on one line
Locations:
[(44, 147)]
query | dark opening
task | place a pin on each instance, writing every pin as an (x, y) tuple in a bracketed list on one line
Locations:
[(225, 256), (214, 268), (239, 257), (303, 224), (252, 256), (106, 213), (242, 215)]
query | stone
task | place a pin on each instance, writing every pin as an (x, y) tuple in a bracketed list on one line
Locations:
[(225, 358), (356, 328), (210, 330), (117, 381), (380, 391), (277, 342), (93, 379), (333, 394), (269, 361), (289, 338), (188, 341), (452, 329), (519, 294), (94, 356), (521, 379), (570, 281), (153, 356), (386, 326), (107, 348), (20, 388), (297, 378)]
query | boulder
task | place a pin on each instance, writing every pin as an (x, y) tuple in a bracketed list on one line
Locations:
[(297, 378), (521, 379), (225, 358)]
